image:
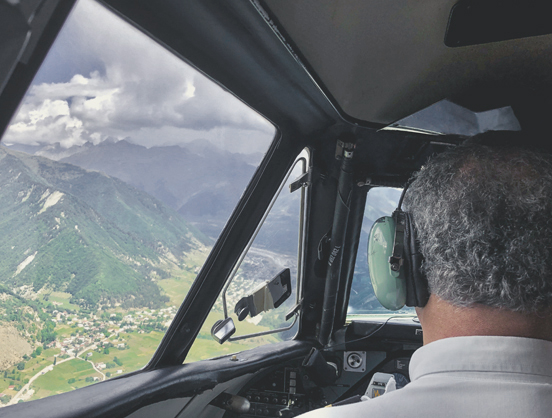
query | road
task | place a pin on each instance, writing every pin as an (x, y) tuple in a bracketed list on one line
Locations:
[(280, 260), (19, 395)]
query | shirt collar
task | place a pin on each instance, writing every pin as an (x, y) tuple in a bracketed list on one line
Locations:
[(483, 353)]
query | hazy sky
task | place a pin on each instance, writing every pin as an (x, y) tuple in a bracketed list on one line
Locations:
[(105, 79)]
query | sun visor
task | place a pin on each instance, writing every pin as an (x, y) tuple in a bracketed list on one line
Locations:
[(474, 22)]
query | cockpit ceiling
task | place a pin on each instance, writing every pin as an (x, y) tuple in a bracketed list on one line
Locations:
[(382, 60)]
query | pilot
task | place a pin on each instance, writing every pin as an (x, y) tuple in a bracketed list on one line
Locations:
[(483, 219)]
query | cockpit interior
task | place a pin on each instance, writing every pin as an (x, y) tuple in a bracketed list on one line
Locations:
[(361, 93)]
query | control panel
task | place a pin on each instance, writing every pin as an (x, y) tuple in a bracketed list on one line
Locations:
[(282, 391)]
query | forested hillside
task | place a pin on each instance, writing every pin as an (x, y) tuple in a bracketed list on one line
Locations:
[(82, 232)]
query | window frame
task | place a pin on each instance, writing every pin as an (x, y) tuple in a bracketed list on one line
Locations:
[(304, 158)]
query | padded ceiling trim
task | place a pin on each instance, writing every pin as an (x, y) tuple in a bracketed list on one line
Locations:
[(383, 60)]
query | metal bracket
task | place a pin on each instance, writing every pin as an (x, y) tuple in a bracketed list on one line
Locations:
[(303, 180), (344, 149), (294, 309), (396, 259)]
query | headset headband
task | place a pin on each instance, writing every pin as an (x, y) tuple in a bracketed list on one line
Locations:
[(396, 259)]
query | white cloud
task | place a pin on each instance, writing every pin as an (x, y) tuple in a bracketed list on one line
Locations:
[(140, 91), (47, 119)]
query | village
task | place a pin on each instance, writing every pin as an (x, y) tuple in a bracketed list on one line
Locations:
[(95, 332), (88, 337)]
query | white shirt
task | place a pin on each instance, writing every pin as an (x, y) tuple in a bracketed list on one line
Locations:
[(478, 376)]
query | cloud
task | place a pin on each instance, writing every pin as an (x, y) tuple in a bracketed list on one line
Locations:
[(124, 85)]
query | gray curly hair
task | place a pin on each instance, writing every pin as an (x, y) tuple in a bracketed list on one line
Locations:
[(484, 222)]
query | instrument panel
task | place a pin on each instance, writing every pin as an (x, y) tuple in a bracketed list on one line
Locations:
[(281, 393), (333, 376), (290, 390)]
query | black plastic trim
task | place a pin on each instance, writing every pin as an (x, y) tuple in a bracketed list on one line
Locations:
[(116, 398), (45, 26)]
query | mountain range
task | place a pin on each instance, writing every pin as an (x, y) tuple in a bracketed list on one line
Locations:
[(202, 182), (86, 233)]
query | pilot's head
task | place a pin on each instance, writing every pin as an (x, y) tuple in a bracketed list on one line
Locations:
[(484, 222)]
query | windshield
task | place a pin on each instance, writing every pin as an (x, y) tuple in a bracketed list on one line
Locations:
[(117, 176)]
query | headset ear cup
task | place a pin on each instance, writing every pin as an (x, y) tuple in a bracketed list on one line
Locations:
[(389, 286), (417, 289)]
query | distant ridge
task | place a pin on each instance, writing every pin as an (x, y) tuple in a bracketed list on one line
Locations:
[(182, 177)]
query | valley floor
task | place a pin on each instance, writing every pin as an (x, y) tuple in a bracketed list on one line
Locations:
[(90, 347)]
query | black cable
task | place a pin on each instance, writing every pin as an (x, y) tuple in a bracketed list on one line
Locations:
[(366, 336)]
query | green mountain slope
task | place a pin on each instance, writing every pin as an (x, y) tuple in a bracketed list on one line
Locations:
[(85, 233)]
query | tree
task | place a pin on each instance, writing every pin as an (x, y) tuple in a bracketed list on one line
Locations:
[(71, 381), (108, 374), (106, 350), (21, 365), (38, 350), (48, 333), (117, 361)]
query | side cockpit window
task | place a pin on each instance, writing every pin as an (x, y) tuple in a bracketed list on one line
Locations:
[(257, 303)]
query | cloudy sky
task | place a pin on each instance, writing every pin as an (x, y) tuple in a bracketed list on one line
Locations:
[(109, 80)]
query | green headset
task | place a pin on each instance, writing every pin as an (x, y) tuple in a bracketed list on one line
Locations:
[(394, 261)]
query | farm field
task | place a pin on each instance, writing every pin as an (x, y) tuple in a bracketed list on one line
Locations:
[(57, 381), (139, 349)]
